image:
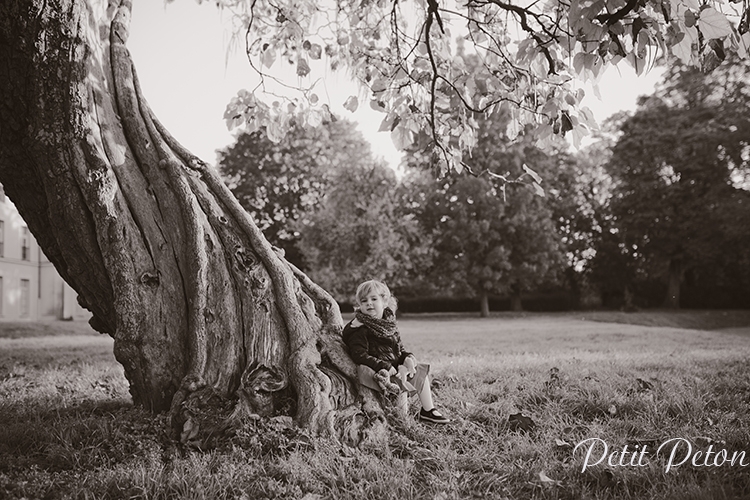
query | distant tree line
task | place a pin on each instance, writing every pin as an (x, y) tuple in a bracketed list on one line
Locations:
[(654, 213)]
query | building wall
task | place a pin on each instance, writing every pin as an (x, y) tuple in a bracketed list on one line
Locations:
[(30, 287)]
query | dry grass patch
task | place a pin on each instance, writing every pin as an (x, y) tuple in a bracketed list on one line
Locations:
[(47, 328), (67, 429)]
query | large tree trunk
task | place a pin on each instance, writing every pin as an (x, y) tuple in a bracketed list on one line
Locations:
[(201, 307)]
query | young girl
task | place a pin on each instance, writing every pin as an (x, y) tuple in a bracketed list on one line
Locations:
[(375, 345)]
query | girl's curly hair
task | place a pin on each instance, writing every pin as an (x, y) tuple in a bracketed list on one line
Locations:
[(379, 288)]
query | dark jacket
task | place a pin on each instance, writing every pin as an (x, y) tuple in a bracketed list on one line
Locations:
[(366, 348)]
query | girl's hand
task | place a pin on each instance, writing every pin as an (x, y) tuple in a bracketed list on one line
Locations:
[(411, 364), (403, 373)]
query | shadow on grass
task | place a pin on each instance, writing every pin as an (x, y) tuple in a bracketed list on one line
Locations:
[(690, 319), (84, 436)]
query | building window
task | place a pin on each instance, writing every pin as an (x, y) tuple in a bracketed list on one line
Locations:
[(25, 298), (2, 238), (25, 250)]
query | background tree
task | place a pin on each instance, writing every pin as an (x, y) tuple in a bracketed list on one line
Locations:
[(485, 246), (582, 193), (360, 231), (491, 238), (278, 181), (206, 316), (676, 164)]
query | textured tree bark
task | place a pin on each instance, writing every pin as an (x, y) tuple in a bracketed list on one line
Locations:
[(201, 307)]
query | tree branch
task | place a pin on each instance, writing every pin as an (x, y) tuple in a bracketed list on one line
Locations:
[(433, 83), (610, 19), (523, 14)]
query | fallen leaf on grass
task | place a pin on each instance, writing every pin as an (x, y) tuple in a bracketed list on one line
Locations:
[(312, 496), (548, 480), (607, 479), (519, 422), (643, 441), (591, 376), (644, 385), (554, 378), (561, 443), (189, 431), (706, 440), (612, 410)]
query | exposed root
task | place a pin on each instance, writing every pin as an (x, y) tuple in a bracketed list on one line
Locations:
[(312, 386), (330, 311), (196, 258), (256, 392), (200, 419)]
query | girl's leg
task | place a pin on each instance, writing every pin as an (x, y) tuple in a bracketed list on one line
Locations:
[(428, 411), (421, 382), (425, 395)]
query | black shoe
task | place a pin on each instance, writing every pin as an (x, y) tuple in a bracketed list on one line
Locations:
[(433, 416)]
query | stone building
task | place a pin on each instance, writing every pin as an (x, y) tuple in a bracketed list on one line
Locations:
[(30, 287)]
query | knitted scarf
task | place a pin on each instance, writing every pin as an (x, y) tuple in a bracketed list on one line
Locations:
[(384, 327)]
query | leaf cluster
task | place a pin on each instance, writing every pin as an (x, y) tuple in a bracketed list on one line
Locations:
[(431, 67)]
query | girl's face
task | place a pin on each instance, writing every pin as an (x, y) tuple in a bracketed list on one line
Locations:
[(372, 304)]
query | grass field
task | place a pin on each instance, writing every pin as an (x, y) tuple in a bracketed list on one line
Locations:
[(637, 380)]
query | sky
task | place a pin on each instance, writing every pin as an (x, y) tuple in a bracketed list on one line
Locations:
[(189, 72)]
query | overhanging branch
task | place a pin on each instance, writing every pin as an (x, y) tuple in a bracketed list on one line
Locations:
[(523, 15)]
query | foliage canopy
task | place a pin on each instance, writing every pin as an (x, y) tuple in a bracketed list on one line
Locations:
[(489, 237), (360, 230), (680, 167), (409, 59), (278, 182)]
